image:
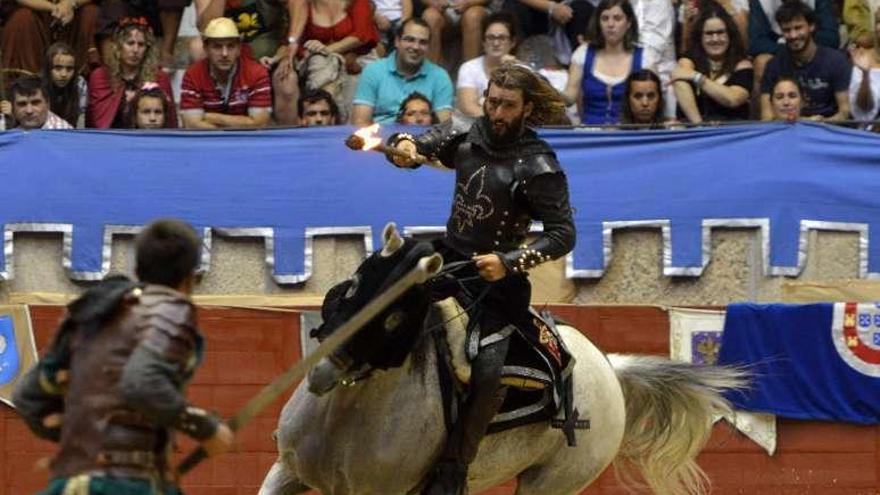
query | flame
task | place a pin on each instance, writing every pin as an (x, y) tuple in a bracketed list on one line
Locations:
[(370, 135)]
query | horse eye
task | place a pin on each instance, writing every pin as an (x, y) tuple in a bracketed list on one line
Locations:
[(353, 288)]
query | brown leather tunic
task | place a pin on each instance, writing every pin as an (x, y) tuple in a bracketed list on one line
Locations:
[(102, 430)]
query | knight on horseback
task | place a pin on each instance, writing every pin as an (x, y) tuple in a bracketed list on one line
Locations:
[(506, 177)]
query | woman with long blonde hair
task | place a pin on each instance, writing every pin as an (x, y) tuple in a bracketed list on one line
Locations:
[(132, 62)]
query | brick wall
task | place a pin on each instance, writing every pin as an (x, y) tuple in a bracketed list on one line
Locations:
[(247, 348)]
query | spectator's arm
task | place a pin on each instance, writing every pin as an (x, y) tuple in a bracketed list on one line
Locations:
[(257, 118), (38, 5), (731, 96), (208, 10), (361, 115), (542, 5), (762, 39), (406, 10), (442, 99), (575, 77), (766, 108), (345, 45), (842, 98), (827, 28), (195, 119), (684, 92), (468, 101)]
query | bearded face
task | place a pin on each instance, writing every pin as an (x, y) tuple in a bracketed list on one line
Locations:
[(506, 113)]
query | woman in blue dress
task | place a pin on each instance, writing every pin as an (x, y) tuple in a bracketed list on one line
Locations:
[(599, 69)]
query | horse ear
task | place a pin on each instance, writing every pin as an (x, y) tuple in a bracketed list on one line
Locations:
[(391, 240)]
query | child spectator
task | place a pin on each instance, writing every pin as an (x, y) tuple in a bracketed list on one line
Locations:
[(317, 108), (149, 109), (67, 91)]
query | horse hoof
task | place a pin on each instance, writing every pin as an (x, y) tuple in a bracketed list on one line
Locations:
[(323, 377)]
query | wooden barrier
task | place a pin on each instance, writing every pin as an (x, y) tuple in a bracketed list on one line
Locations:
[(246, 348)]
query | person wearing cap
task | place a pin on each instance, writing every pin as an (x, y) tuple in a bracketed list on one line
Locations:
[(225, 89)]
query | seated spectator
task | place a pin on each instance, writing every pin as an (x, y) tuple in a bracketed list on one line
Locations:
[(336, 39), (30, 106), (599, 69), (416, 110), (226, 89), (643, 100), (714, 81), (765, 33), (823, 72), (388, 17), (548, 16), (35, 24), (67, 91), (786, 100), (385, 83), (132, 62), (693, 9), (467, 14), (259, 22), (538, 53), (499, 40), (864, 86), (149, 109), (317, 108)]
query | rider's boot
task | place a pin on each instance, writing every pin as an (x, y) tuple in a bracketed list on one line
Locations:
[(484, 400)]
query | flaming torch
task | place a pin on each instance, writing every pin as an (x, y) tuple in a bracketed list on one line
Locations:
[(367, 139)]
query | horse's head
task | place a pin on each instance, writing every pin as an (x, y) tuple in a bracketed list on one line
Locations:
[(386, 340)]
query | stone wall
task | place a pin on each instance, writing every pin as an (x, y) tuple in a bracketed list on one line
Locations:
[(634, 274)]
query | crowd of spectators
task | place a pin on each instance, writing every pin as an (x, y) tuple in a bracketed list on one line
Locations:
[(649, 63)]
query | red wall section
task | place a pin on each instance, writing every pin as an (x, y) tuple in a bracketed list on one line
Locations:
[(247, 348)]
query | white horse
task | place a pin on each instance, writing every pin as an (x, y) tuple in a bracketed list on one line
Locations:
[(382, 435)]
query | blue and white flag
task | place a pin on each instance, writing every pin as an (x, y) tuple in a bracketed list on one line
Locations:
[(17, 350), (811, 361)]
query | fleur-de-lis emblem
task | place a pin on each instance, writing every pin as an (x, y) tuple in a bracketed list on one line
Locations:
[(470, 203), (248, 23), (708, 348)]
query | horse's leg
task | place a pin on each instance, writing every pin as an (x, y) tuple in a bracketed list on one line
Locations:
[(280, 481)]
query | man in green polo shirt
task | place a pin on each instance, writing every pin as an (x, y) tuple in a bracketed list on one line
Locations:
[(384, 84)]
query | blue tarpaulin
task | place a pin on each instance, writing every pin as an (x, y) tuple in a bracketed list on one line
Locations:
[(289, 185)]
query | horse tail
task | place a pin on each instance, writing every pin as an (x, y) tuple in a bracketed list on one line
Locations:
[(670, 410)]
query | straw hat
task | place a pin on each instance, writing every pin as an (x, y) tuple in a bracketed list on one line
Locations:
[(220, 28)]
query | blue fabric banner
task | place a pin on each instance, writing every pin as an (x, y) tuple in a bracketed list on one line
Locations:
[(291, 185), (812, 361)]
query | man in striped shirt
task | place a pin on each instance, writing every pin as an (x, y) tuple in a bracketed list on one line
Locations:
[(227, 89)]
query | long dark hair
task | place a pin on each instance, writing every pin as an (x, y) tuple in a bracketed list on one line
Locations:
[(626, 114), (64, 102), (594, 30), (735, 50)]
